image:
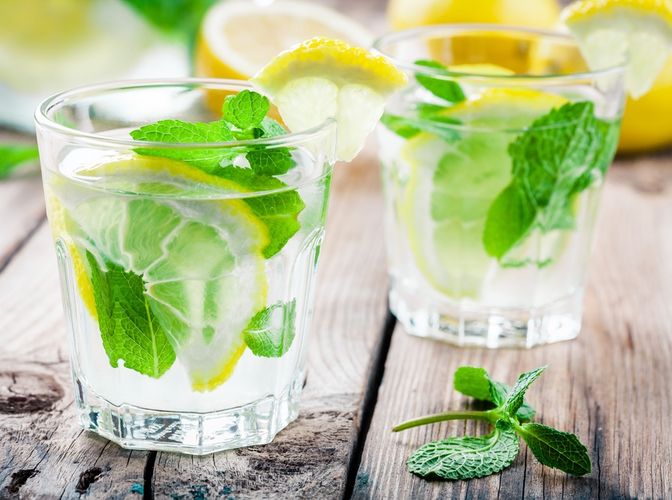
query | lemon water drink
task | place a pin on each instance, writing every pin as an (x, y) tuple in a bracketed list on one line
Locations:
[(187, 270), (492, 181), (188, 217)]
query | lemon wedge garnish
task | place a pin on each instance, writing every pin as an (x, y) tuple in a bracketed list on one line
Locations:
[(610, 32), (323, 78)]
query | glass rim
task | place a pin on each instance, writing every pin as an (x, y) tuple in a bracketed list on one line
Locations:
[(459, 28), (42, 118)]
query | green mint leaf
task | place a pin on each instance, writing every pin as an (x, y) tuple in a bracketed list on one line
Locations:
[(181, 17), (400, 125), (279, 211), (466, 457), (129, 330), (514, 399), (14, 155), (271, 331), (271, 128), (270, 161), (558, 156), (444, 88), (246, 109), (475, 382), (508, 221), (176, 131), (557, 449)]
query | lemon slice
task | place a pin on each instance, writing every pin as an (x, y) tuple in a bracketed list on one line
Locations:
[(451, 185), (511, 108), (239, 37), (323, 78), (201, 261), (612, 31)]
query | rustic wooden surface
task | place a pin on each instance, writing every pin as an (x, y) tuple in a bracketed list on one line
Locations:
[(611, 386)]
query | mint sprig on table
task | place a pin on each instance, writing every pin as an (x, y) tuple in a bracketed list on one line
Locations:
[(243, 118), (470, 457), (557, 157)]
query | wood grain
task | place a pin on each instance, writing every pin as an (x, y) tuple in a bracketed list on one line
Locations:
[(610, 386)]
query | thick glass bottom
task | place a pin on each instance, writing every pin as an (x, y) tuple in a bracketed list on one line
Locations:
[(468, 324), (188, 432)]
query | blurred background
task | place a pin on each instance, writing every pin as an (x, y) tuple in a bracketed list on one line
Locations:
[(52, 45)]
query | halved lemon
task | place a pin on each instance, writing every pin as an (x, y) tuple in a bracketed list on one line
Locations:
[(238, 38), (610, 32), (323, 78)]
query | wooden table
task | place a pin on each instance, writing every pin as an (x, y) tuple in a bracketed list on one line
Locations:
[(612, 386)]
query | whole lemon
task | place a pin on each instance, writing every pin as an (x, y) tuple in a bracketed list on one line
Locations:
[(646, 124), (404, 14)]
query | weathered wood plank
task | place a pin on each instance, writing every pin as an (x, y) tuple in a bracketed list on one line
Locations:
[(311, 457), (43, 451), (610, 386)]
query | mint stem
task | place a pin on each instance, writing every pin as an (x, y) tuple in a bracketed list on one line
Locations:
[(488, 416)]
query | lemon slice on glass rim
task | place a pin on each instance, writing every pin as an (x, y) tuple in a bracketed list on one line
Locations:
[(323, 78), (612, 31)]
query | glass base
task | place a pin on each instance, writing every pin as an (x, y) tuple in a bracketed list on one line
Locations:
[(194, 433), (469, 324)]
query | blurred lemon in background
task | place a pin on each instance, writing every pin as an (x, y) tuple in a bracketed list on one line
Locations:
[(238, 37), (404, 14)]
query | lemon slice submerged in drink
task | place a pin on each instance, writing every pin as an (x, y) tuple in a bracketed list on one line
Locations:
[(611, 32), (324, 78), (201, 261), (462, 177)]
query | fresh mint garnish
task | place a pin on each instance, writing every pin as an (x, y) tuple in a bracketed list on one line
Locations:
[(470, 456), (271, 331), (556, 158), (13, 156), (244, 117), (176, 131), (131, 333), (174, 17), (467, 457), (246, 109), (444, 88)]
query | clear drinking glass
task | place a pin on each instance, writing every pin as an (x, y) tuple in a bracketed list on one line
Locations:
[(490, 207), (188, 295)]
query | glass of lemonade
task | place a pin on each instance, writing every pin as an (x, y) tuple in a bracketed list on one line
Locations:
[(188, 295), (493, 158)]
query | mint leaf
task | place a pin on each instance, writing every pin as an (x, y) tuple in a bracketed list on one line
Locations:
[(400, 125), (14, 155), (476, 383), (466, 457), (509, 219), (270, 161), (246, 109), (270, 128), (514, 399), (557, 449), (556, 158), (129, 330), (473, 381), (278, 211), (271, 331), (444, 88), (176, 131)]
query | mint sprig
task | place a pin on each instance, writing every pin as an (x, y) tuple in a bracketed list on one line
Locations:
[(559, 156), (477, 456), (443, 88), (13, 156), (243, 118)]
